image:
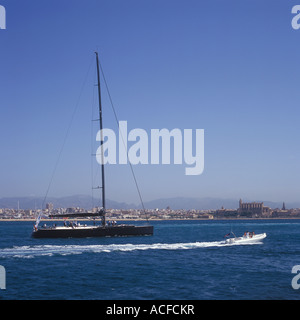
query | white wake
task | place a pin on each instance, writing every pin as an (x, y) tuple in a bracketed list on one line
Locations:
[(50, 250)]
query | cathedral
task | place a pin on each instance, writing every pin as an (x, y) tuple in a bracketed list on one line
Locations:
[(254, 207)]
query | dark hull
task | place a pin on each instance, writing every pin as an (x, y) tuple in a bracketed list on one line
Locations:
[(86, 232)]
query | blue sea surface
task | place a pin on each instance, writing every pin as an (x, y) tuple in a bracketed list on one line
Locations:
[(182, 260)]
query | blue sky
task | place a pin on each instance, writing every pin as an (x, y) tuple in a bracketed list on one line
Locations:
[(228, 67)]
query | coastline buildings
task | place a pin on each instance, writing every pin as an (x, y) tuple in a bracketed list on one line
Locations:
[(254, 208), (49, 207), (248, 210)]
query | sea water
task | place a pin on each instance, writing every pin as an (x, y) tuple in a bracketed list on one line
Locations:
[(182, 260)]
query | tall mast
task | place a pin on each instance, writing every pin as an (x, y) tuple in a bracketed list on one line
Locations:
[(101, 137)]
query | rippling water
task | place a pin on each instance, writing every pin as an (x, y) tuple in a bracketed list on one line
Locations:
[(183, 260)]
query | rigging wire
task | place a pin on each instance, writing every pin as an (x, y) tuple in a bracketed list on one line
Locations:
[(117, 120), (66, 135)]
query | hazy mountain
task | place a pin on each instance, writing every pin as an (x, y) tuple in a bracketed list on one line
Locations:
[(84, 201), (192, 203)]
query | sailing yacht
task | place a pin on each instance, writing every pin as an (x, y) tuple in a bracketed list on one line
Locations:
[(74, 230)]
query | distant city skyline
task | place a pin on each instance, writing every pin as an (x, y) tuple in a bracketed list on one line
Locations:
[(176, 203), (228, 67)]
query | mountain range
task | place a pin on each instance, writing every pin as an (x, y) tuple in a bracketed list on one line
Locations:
[(176, 203)]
